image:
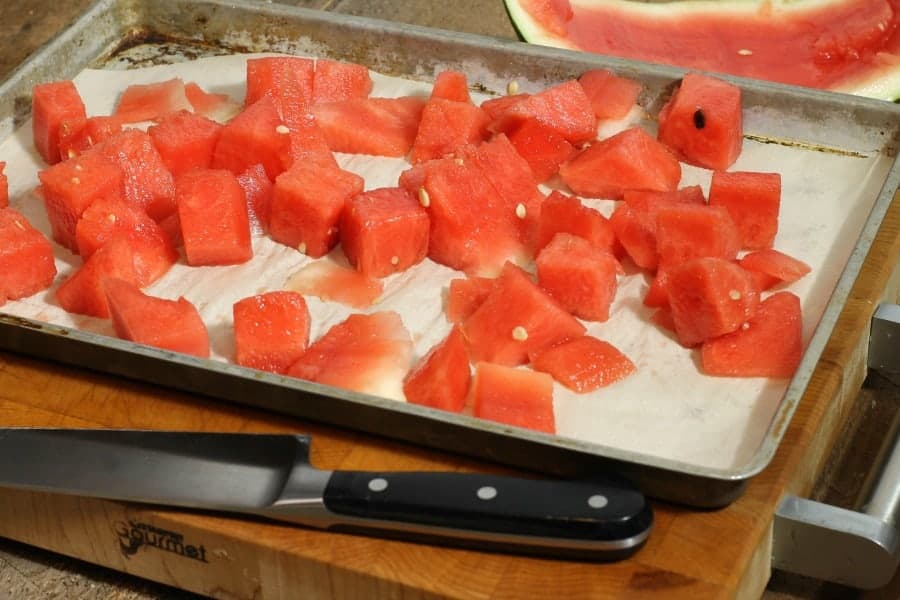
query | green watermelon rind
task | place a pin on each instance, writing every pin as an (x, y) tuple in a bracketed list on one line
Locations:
[(878, 83)]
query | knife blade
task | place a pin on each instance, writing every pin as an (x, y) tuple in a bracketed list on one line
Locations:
[(602, 518)]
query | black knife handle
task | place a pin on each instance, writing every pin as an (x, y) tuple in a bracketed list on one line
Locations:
[(600, 518)]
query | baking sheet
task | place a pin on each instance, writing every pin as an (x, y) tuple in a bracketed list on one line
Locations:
[(668, 416)]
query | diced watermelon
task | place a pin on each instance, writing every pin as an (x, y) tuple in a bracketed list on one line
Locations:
[(657, 295), (77, 135), (629, 160), (516, 318), (108, 218), (563, 107), (332, 282), (271, 330), (83, 293), (384, 231), (564, 214), (611, 96), (167, 324), (148, 183), (685, 231), (257, 135), (702, 122), (218, 107), (51, 104), (288, 80), (185, 141), (770, 344), (495, 107), (26, 258), (446, 126), (377, 126), (334, 81), (542, 147), (71, 186), (517, 397), (307, 206), (364, 353), (709, 297), (663, 318), (583, 364), (213, 213), (579, 276), (451, 85), (258, 191), (776, 266), (441, 378), (464, 296), (554, 15), (151, 101), (753, 201), (4, 186)]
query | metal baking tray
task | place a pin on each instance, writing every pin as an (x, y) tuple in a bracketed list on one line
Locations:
[(117, 34)]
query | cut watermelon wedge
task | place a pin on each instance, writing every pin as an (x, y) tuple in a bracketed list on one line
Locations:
[(441, 378), (518, 397), (583, 364)]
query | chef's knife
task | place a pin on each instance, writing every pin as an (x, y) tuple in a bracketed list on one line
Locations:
[(265, 475)]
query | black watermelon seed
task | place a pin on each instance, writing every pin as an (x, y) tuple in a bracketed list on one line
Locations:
[(699, 119)]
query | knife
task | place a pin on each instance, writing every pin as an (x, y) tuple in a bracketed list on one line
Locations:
[(601, 518)]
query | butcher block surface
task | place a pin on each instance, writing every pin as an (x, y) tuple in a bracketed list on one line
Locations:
[(690, 554)]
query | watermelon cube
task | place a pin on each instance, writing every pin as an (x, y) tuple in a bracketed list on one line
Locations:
[(446, 126), (564, 214), (4, 186), (26, 258), (542, 147), (564, 107), (657, 295), (258, 191), (212, 210), (702, 122), (167, 324), (332, 282), (384, 231), (629, 160), (709, 297), (77, 135), (441, 378), (611, 96), (307, 204), (516, 318), (257, 135), (376, 126), (775, 267), (753, 201), (685, 231), (185, 141), (148, 183), (51, 104), (464, 295), (451, 85), (288, 80), (271, 330), (83, 291), (370, 354), (583, 364), (71, 186), (151, 101), (334, 81), (770, 344), (579, 276), (517, 397)]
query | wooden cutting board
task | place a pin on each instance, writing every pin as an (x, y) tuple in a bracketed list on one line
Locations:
[(690, 554)]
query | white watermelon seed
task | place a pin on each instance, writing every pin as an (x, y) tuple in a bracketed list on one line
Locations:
[(301, 247), (19, 225), (512, 88), (76, 181), (395, 260), (521, 211), (283, 129), (78, 166), (424, 198), (73, 154), (734, 294), (519, 333), (111, 218), (459, 161), (745, 52), (745, 325)]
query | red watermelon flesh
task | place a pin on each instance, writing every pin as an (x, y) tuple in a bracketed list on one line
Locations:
[(495, 107), (167, 324), (686, 231), (753, 201), (71, 186), (271, 330), (377, 126), (446, 126), (288, 80), (364, 353), (384, 231), (451, 85), (709, 297), (257, 135), (51, 104), (776, 265), (702, 122), (185, 141), (517, 397), (629, 160), (611, 96), (516, 318), (148, 183), (77, 135), (565, 214), (465, 295), (218, 107), (258, 191), (579, 276), (552, 14), (563, 107), (657, 295), (335, 81), (4, 186), (83, 293), (212, 211), (308, 144), (583, 364), (770, 344), (151, 101), (441, 378), (332, 282), (26, 258), (307, 204), (542, 147)]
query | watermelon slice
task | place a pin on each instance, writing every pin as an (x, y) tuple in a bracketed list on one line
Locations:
[(51, 104), (774, 266), (564, 107), (151, 101), (611, 96), (517, 397), (451, 85), (26, 258), (494, 107), (83, 292), (753, 201), (288, 80), (583, 364), (334, 81), (329, 281), (217, 107), (271, 330), (377, 126), (370, 354), (446, 126), (441, 378), (464, 296), (185, 141), (564, 214), (845, 45), (77, 135), (168, 324)]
